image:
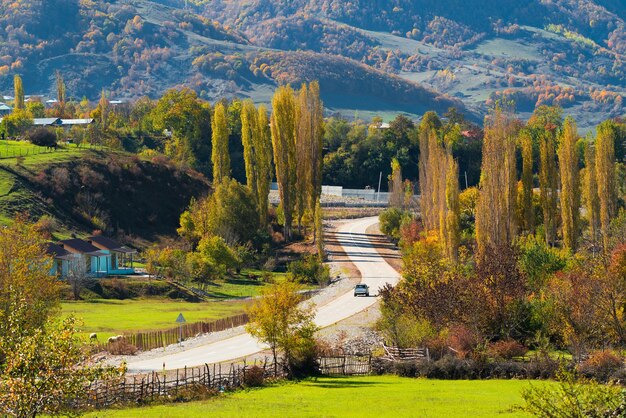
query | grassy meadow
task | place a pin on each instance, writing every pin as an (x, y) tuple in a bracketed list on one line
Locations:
[(367, 396)]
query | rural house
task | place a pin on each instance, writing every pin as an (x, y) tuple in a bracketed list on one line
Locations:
[(62, 259), (120, 257), (95, 261)]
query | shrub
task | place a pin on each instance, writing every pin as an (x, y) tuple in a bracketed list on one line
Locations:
[(122, 347), (390, 221), (601, 364), (253, 377), (43, 137), (309, 270), (506, 349), (463, 340)]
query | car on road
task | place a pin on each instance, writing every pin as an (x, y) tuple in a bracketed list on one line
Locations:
[(361, 289)]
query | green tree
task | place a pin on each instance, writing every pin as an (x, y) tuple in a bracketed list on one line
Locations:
[(284, 145), (217, 253), (278, 320), (18, 92), (590, 191), (570, 184), (219, 153), (396, 191), (16, 123), (60, 86), (453, 209), (36, 109)]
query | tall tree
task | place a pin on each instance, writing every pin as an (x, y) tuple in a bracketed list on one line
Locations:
[(219, 153), (60, 85), (605, 176), (428, 140), (18, 92), (264, 161), (590, 191), (249, 128), (527, 212), (548, 183), (284, 146), (453, 208), (396, 191), (570, 184), (496, 224)]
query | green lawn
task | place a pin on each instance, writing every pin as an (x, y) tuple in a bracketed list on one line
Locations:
[(240, 286), (111, 317), (370, 396)]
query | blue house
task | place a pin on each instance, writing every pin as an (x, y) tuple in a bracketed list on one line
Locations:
[(120, 257), (62, 259), (94, 260)]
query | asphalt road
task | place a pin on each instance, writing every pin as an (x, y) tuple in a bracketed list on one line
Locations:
[(375, 272)]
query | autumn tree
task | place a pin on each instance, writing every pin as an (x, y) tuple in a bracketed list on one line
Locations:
[(257, 152), (309, 134), (219, 152), (284, 146), (453, 209), (60, 87), (104, 108), (526, 209), (396, 192), (428, 161), (278, 320), (590, 191), (605, 176), (570, 184), (18, 92), (496, 224)]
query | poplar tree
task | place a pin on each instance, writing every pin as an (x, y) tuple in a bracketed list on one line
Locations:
[(396, 191), (60, 85), (428, 160), (249, 129), (219, 153), (284, 146), (496, 208), (453, 208), (590, 191), (605, 176), (18, 92), (527, 211), (570, 184), (263, 147), (548, 183)]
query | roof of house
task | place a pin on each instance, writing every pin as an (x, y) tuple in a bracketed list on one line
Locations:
[(105, 243), (4, 106), (46, 121), (81, 246), (77, 121), (56, 251)]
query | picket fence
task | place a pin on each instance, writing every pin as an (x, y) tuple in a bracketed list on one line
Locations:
[(143, 388), (157, 339)]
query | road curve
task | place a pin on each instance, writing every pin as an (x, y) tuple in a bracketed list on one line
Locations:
[(375, 272)]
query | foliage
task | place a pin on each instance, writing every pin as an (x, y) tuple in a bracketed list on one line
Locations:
[(506, 349), (538, 261), (43, 137), (601, 364), (39, 373), (571, 398), (216, 253), (278, 320), (389, 222), (309, 270)]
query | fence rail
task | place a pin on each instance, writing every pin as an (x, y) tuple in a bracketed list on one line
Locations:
[(157, 339), (220, 377)]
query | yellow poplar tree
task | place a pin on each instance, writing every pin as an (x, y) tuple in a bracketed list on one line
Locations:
[(219, 153), (570, 184), (18, 92), (526, 145), (453, 208), (263, 147), (284, 146), (590, 191), (605, 176)]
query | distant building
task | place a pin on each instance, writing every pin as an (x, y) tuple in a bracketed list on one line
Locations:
[(69, 123), (51, 102), (47, 122), (5, 109)]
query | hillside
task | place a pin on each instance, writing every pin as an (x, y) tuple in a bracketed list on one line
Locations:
[(375, 57), (86, 189)]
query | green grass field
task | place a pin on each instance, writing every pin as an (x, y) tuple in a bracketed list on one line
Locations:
[(111, 317), (369, 396)]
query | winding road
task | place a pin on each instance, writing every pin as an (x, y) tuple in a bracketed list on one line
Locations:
[(358, 246)]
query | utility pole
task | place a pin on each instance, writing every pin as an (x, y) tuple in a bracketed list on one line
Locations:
[(466, 186), (380, 177)]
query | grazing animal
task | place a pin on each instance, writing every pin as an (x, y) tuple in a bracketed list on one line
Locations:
[(115, 339), (93, 337)]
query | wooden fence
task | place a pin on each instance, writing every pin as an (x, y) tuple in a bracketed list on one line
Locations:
[(220, 377), (157, 339), (396, 353)]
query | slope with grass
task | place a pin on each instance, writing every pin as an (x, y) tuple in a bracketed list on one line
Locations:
[(86, 189), (371, 396)]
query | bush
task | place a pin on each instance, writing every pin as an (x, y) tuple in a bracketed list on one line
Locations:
[(43, 137), (506, 349), (309, 270), (601, 364), (253, 377), (463, 340), (390, 221), (122, 347)]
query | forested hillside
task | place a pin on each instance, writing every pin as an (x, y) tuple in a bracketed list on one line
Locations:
[(377, 57)]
